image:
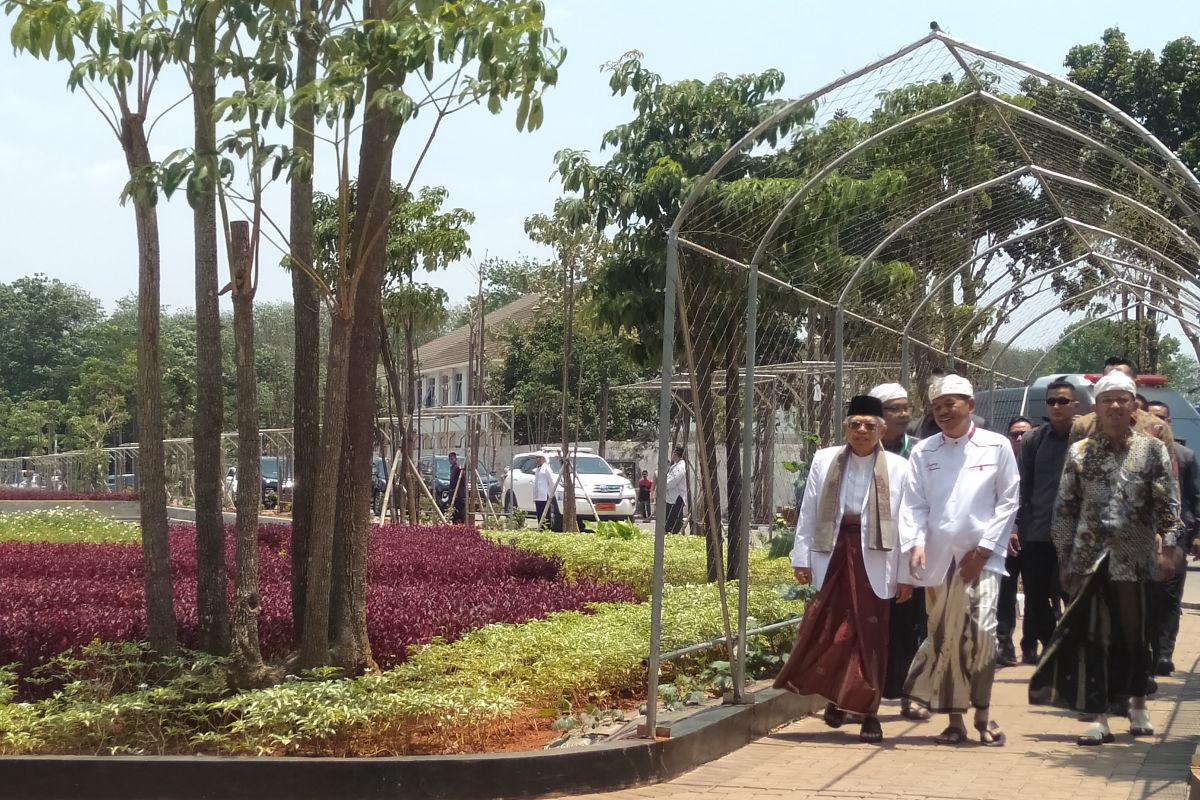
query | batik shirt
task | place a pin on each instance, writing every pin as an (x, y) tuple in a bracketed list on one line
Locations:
[(1114, 497)]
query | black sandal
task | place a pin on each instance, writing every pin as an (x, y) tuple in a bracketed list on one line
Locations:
[(834, 716), (992, 730), (953, 735), (872, 731)]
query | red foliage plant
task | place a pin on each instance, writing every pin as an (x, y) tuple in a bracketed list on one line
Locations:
[(11, 493), (422, 583)]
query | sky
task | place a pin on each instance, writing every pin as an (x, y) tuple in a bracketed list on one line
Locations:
[(61, 168)]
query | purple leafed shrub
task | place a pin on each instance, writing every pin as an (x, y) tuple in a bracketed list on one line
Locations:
[(423, 583), (10, 493)]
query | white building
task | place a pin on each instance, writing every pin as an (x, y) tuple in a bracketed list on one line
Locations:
[(443, 378)]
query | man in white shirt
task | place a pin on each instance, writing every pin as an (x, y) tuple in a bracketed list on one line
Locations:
[(543, 488), (677, 489), (848, 547), (955, 522)]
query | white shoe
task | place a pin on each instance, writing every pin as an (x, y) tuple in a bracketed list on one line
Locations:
[(1096, 734), (1139, 722)]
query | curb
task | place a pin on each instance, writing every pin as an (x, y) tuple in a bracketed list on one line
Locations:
[(185, 514), (708, 735)]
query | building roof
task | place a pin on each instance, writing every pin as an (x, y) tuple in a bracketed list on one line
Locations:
[(454, 347)]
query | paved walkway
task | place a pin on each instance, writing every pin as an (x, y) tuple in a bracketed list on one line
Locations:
[(806, 760)]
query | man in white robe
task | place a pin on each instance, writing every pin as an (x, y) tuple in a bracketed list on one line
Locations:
[(956, 519), (848, 548)]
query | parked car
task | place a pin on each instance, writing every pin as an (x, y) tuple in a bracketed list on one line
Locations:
[(601, 492), (435, 472), (1001, 405), (269, 475)]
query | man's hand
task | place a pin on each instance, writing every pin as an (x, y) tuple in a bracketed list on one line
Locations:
[(1014, 545), (904, 592), (803, 575), (916, 561), (971, 565), (1196, 551), (1166, 562)]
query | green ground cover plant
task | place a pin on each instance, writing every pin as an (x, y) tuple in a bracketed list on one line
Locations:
[(448, 697), (618, 554), (65, 525)]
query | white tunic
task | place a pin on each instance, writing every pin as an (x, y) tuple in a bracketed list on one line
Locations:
[(543, 483), (677, 482), (882, 565), (962, 494)]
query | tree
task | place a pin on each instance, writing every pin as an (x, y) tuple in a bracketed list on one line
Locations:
[(511, 53), (47, 328), (1162, 94), (211, 604), (110, 52)]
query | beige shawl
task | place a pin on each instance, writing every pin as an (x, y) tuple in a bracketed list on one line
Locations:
[(882, 535)]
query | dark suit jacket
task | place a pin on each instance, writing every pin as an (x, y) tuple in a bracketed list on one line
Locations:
[(1189, 491)]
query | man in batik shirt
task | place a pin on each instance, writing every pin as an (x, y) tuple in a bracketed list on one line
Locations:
[(1115, 526)]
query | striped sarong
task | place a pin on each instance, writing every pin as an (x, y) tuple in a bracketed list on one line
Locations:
[(956, 664)]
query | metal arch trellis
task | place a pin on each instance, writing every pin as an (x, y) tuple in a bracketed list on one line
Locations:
[(1152, 163)]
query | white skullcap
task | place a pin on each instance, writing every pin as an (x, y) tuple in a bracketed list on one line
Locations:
[(1115, 381), (950, 384), (887, 392)]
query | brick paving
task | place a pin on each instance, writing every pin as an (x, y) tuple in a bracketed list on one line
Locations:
[(807, 761)]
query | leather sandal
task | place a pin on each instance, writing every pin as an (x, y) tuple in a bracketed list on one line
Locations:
[(990, 734), (953, 735), (913, 711), (872, 731), (834, 716)]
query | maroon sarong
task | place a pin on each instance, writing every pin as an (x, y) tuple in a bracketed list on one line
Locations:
[(841, 647)]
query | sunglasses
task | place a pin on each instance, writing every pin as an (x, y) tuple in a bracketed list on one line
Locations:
[(1059, 401), (862, 424)]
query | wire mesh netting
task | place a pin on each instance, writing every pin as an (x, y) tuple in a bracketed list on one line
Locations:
[(944, 208)]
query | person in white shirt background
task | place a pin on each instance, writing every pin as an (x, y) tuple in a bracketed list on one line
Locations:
[(676, 495), (543, 488), (956, 519), (847, 546)]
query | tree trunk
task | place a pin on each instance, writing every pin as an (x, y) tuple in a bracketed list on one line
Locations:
[(706, 451), (314, 641), (733, 455), (569, 521), (211, 596), (306, 418), (602, 423), (764, 476), (368, 263), (156, 555), (248, 668), (412, 492)]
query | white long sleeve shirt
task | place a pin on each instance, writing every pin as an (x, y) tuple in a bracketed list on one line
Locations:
[(677, 482), (962, 494), (543, 483), (882, 565)]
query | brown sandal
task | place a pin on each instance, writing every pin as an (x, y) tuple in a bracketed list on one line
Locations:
[(834, 716), (872, 731)]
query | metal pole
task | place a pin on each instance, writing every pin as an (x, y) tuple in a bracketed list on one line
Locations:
[(660, 510), (905, 359), (839, 360), (739, 664)]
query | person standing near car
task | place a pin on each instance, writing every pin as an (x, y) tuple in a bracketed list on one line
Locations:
[(543, 488), (458, 492), (643, 495), (677, 490)]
